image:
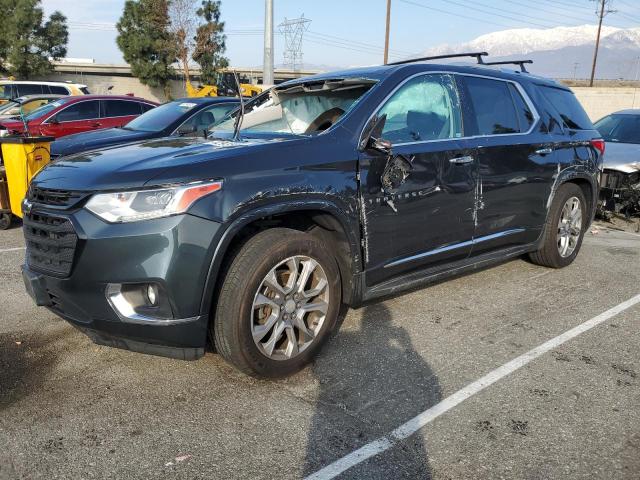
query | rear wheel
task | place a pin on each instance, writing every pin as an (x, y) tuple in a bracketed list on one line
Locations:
[(278, 303), (564, 230)]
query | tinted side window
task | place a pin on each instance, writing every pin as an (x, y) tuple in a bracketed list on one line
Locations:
[(146, 107), (209, 117), (525, 117), (121, 108), (424, 108), (567, 106), (58, 90), (493, 108), (80, 111), (29, 89)]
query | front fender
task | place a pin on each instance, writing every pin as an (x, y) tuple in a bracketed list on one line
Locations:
[(244, 217)]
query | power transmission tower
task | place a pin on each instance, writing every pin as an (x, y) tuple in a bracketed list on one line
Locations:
[(293, 31), (602, 11)]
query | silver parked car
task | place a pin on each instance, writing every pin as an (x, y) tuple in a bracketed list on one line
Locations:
[(620, 184)]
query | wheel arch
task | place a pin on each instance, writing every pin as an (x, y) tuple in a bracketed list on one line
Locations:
[(322, 218)]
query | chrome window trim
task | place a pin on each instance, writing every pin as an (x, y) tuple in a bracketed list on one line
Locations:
[(525, 97)]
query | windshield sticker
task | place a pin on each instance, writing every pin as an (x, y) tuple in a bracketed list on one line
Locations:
[(187, 106)]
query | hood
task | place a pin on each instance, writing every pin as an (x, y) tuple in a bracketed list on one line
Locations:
[(81, 142), (135, 165), (624, 157)]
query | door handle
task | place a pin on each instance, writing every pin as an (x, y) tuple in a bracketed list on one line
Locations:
[(462, 160), (544, 151)]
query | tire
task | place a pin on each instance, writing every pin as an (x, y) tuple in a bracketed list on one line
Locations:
[(248, 302), (550, 254), (5, 221)]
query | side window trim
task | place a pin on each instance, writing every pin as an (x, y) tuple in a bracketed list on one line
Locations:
[(525, 97)]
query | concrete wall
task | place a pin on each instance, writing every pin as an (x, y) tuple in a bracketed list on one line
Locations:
[(122, 85), (601, 101)]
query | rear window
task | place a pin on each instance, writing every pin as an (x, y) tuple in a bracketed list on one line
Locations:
[(567, 106), (494, 107), (121, 108)]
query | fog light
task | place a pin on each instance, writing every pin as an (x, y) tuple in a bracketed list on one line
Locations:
[(152, 294), (142, 302)]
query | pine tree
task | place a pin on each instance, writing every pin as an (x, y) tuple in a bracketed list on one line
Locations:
[(146, 42), (27, 41), (210, 42)]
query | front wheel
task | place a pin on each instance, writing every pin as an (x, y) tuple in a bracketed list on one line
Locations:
[(566, 222), (278, 303), (5, 221)]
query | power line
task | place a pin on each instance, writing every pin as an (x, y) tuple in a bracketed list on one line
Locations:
[(494, 14), (429, 7)]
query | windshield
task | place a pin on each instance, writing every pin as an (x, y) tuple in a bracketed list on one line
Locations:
[(45, 109), (161, 117), (300, 109), (620, 128)]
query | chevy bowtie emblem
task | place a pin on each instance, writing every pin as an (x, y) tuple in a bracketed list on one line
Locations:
[(27, 206)]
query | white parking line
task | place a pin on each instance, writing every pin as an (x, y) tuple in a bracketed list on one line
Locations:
[(412, 426), (3, 250)]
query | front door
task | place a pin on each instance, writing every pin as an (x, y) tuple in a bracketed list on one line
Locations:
[(76, 118), (427, 216)]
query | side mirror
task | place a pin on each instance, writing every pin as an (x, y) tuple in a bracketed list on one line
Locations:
[(184, 130), (372, 136)]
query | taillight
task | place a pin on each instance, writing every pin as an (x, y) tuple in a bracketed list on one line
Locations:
[(599, 145)]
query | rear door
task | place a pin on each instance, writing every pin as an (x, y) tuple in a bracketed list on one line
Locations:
[(76, 118), (116, 113), (427, 219), (516, 162)]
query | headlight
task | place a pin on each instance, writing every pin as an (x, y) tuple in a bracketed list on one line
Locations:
[(138, 205)]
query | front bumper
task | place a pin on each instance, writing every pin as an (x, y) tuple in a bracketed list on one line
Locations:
[(173, 252)]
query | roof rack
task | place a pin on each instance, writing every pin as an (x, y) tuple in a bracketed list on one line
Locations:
[(521, 63), (478, 56)]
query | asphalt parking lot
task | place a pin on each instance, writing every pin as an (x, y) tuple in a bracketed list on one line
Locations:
[(70, 409)]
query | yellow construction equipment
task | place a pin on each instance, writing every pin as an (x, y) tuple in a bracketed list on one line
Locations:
[(226, 88)]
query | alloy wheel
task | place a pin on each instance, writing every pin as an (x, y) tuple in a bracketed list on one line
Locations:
[(569, 227), (289, 307)]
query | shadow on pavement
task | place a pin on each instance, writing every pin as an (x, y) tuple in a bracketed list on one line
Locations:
[(371, 381)]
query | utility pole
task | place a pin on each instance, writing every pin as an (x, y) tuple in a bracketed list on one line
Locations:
[(575, 68), (267, 67), (601, 14), (386, 35)]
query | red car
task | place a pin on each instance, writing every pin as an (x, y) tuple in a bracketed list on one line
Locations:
[(79, 114)]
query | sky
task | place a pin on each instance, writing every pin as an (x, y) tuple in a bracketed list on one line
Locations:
[(347, 33)]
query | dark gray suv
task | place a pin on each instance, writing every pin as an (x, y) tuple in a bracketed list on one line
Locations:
[(328, 190)]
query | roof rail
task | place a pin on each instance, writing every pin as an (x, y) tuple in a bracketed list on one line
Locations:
[(478, 56), (521, 63)]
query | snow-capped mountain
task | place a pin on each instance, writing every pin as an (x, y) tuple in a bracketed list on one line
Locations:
[(558, 51)]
